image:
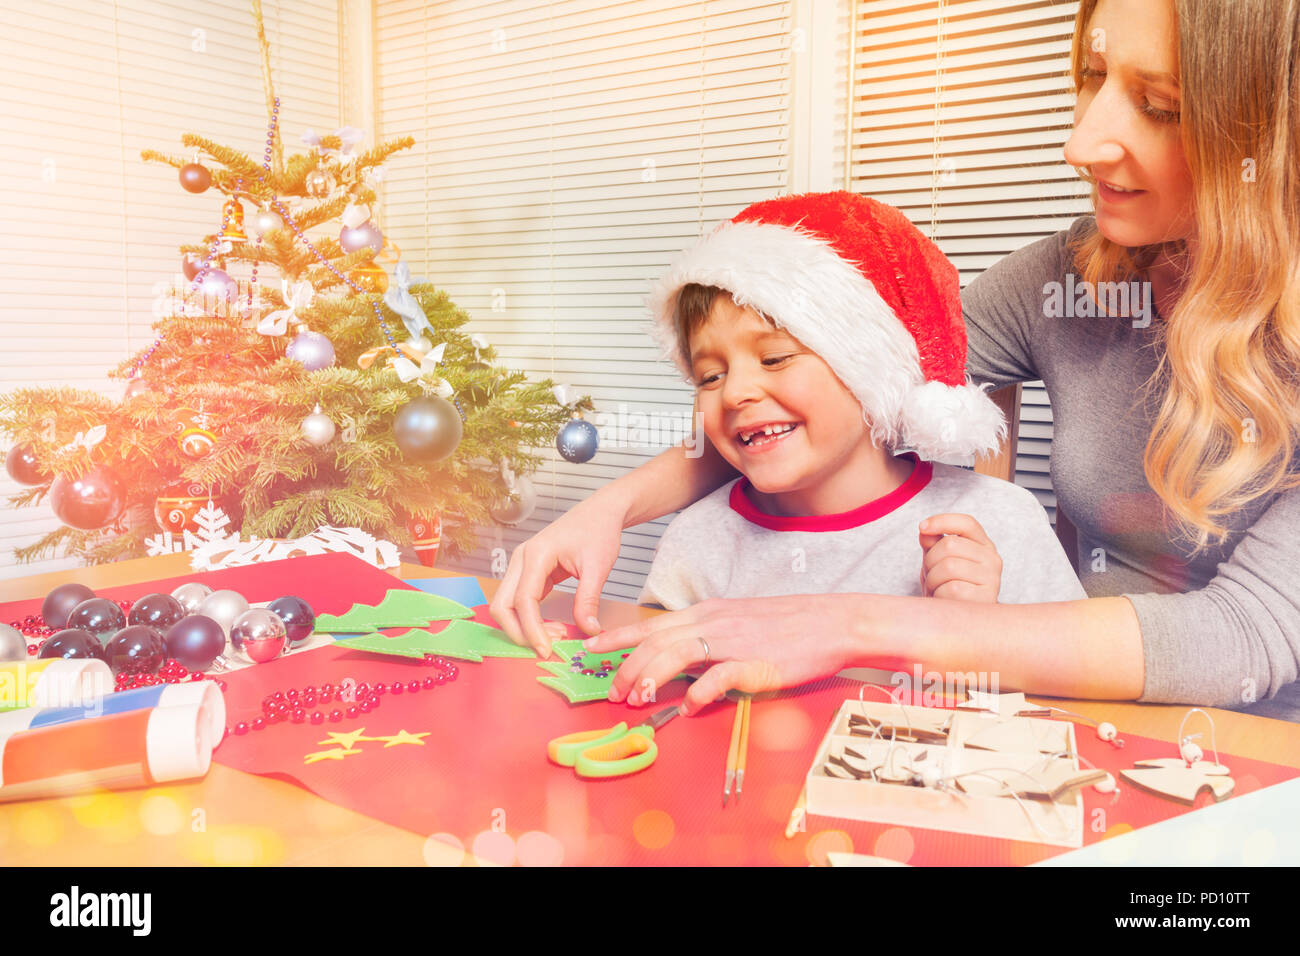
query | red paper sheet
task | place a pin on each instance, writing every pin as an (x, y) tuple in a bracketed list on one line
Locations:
[(481, 775)]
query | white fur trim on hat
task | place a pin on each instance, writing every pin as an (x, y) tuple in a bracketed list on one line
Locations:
[(803, 285), (946, 423)]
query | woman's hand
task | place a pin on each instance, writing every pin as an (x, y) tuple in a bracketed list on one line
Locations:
[(754, 645), (583, 543), (960, 561)]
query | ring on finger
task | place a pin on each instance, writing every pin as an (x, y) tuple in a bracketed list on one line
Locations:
[(706, 649)]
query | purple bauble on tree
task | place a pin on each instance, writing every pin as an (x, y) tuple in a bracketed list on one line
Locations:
[(313, 350), (88, 502), (366, 234), (216, 282), (195, 641), (58, 604), (195, 177), (22, 466)]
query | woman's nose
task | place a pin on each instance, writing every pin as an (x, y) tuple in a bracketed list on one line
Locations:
[(1098, 136)]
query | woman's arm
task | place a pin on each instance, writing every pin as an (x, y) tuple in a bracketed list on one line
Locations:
[(1089, 648), (584, 542)]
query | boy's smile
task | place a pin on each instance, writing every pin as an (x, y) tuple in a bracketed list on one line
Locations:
[(779, 415)]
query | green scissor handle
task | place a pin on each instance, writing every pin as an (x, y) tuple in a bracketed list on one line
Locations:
[(566, 750), (627, 753)]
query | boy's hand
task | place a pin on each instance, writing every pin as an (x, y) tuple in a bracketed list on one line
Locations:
[(960, 562)]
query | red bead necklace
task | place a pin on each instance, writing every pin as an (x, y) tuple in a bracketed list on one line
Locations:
[(295, 705)]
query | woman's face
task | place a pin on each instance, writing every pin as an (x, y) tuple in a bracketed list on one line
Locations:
[(1126, 123)]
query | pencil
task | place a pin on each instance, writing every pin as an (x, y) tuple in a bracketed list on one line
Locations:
[(732, 750), (746, 704)]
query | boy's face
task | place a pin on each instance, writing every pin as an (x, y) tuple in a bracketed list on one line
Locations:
[(749, 375)]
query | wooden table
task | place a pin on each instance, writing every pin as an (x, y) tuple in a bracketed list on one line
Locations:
[(230, 817)]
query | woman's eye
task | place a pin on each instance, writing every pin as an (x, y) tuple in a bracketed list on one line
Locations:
[(776, 360), (1159, 115), (706, 381), (1088, 73)]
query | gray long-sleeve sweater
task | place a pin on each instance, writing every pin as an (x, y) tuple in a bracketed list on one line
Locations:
[(1221, 627)]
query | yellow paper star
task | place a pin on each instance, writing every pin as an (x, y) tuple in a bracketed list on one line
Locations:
[(329, 755), (348, 741), (402, 737)]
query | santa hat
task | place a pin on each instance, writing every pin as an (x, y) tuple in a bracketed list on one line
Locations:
[(857, 283)]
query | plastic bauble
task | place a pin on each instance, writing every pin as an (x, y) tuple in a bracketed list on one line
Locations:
[(297, 615), (522, 506), (99, 616), (366, 234), (477, 395), (134, 389), (196, 641), (159, 611), (191, 594), (22, 466), (318, 183), (216, 283), (426, 536), (58, 604), (177, 507), (13, 645), (72, 643), (318, 429), (196, 442), (88, 502), (419, 344), (260, 634), (223, 607), (577, 441), (427, 429), (195, 177), (266, 221), (312, 350), (190, 267), (137, 649), (369, 278)]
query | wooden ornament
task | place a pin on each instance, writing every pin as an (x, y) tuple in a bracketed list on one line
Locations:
[(1171, 777)]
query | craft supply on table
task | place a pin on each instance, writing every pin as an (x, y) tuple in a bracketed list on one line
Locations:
[(398, 609), (465, 640), (464, 590), (1184, 777), (735, 769), (205, 695), (133, 749), (989, 774), (612, 752), (52, 682)]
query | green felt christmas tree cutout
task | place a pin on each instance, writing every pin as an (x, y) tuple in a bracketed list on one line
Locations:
[(464, 640), (397, 609), (579, 688)]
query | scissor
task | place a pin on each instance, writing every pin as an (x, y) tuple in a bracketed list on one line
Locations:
[(611, 752)]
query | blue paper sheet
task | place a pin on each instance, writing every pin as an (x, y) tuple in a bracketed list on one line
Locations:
[(466, 590)]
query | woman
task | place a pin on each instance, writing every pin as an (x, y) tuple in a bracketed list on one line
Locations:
[(1175, 426)]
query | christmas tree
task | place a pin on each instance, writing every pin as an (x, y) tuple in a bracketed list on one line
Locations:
[(320, 390)]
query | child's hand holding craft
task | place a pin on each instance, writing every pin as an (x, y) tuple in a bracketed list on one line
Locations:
[(960, 562)]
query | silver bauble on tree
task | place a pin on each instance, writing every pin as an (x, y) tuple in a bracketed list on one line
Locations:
[(318, 429), (521, 506), (427, 429)]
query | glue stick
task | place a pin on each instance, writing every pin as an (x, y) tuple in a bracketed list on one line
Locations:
[(135, 749), (203, 694), (52, 682)]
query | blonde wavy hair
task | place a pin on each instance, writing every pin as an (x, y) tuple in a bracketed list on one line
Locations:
[(1226, 430)]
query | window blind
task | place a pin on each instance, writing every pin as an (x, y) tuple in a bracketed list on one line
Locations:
[(90, 227), (961, 110), (565, 153)]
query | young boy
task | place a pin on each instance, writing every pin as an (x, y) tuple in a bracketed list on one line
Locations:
[(824, 333)]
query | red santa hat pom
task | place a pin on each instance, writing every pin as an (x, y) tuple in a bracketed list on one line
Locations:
[(858, 284)]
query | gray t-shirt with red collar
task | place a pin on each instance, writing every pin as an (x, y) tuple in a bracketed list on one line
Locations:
[(724, 547)]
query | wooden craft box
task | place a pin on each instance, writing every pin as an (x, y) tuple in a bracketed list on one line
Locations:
[(1042, 748)]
